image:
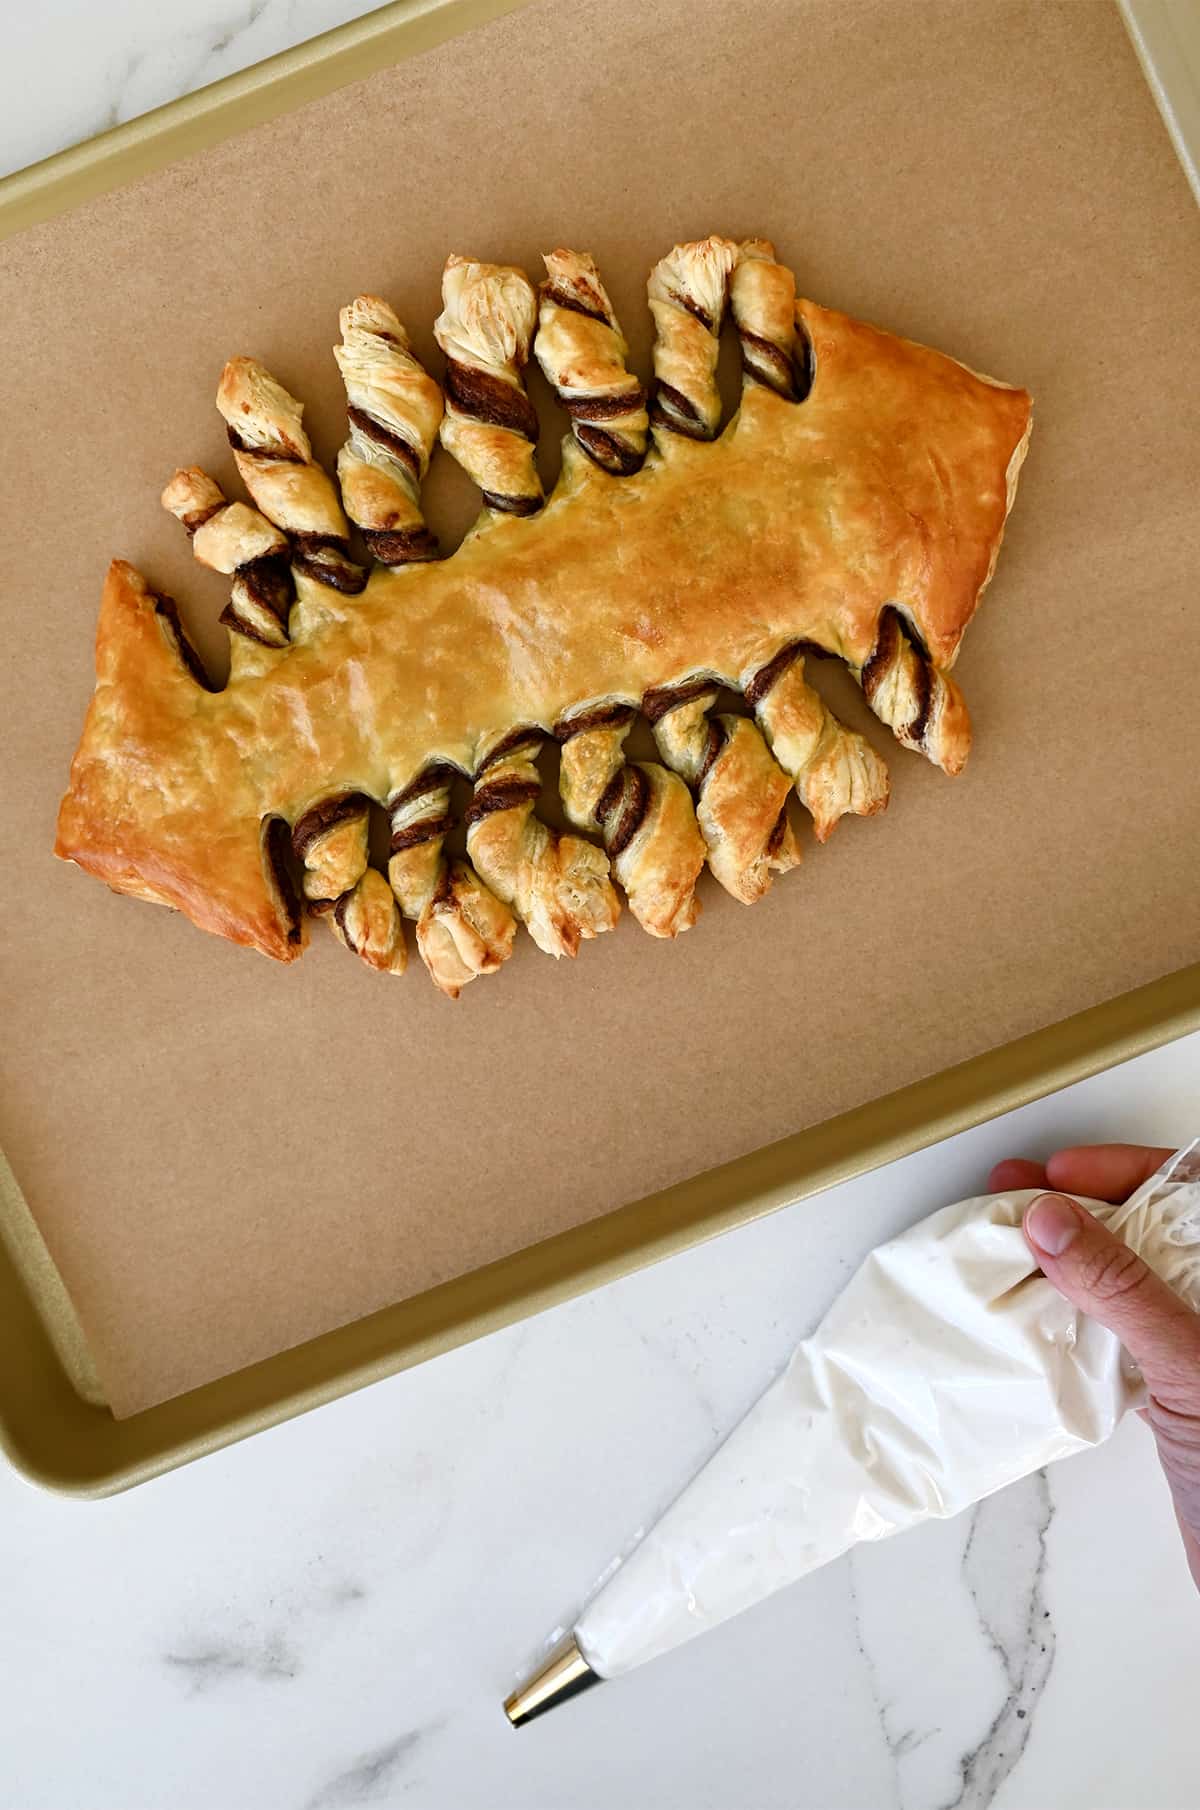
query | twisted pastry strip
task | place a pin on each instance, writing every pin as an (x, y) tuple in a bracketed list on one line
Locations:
[(643, 812), (330, 841), (920, 703), (833, 769), (490, 426), (687, 299), (741, 792), (274, 458), (275, 462), (582, 352), (763, 296), (366, 921), (395, 409), (557, 885), (236, 540), (463, 930)]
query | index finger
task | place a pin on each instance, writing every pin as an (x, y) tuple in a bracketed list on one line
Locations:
[(1104, 1171)]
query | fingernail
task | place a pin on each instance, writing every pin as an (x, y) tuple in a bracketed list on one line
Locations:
[(1052, 1223)]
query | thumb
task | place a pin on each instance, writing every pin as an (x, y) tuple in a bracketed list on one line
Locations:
[(1107, 1280)]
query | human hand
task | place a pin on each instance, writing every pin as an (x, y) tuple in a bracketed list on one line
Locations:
[(1105, 1279)]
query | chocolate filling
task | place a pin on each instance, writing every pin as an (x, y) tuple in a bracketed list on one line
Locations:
[(512, 505), (661, 698), (443, 892), (775, 839), (232, 618), (314, 543), (894, 631), (340, 913), (605, 716), (324, 817), (403, 547), (268, 581), (771, 673), (689, 421), (887, 645), (609, 452), (689, 429), (693, 307), (282, 454), (911, 633), (566, 298), (508, 744), (716, 741), (611, 797), (804, 365), (329, 565), (199, 516), (769, 364), (275, 842), (385, 436), (627, 796), (167, 611), (490, 399), (915, 730), (413, 834), (603, 408), (432, 778), (500, 795)]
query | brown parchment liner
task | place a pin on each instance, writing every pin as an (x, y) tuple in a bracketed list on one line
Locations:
[(226, 1157)]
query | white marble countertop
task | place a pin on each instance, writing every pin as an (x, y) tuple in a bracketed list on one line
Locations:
[(330, 1614)]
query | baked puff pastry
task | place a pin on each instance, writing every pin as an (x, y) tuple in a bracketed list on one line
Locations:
[(680, 570)]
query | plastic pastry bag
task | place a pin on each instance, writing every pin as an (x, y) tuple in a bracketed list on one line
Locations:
[(947, 1368)]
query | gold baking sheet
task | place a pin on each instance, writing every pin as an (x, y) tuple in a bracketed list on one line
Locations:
[(224, 1158)]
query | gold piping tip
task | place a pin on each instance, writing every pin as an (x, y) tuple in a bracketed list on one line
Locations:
[(563, 1675)]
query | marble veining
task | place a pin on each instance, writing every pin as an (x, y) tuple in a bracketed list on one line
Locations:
[(203, 1665), (373, 1777), (956, 1711), (1018, 1628)]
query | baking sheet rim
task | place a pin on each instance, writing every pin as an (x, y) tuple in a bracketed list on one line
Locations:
[(55, 1437)]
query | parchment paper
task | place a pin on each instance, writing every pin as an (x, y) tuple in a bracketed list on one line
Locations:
[(226, 1156)]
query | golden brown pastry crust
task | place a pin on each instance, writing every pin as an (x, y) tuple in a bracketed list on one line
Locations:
[(236, 540), (886, 490), (644, 814), (834, 769), (366, 920), (582, 352), (486, 329), (687, 292), (463, 930), (557, 885), (395, 410)]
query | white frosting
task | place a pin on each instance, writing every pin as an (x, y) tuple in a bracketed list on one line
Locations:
[(947, 1368)]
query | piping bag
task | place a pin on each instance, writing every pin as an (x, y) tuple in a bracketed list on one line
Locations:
[(948, 1367)]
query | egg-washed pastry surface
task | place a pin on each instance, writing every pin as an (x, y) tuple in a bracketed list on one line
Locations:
[(853, 507)]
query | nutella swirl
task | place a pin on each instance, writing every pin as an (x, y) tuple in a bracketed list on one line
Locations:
[(582, 352), (394, 409), (240, 542), (490, 426)]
